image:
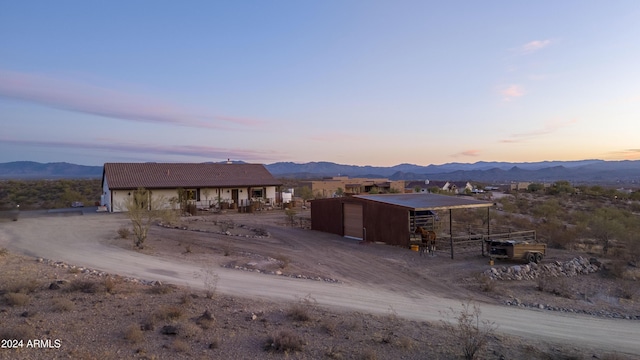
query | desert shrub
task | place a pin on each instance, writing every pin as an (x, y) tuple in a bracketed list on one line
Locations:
[(23, 286), (617, 269), (329, 326), (134, 334), (283, 261), (188, 330), (149, 323), (161, 289), (368, 354), (170, 312), (18, 332), (62, 305), (124, 232), (487, 284), (180, 345), (558, 286), (405, 342), (299, 311), (206, 320), (4, 252), (334, 353), (74, 270), (284, 342), (17, 299), (185, 298), (110, 284), (628, 289), (471, 333), (291, 216), (227, 249), (85, 286)]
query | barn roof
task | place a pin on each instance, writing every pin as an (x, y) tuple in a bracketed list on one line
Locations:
[(422, 201), (185, 175)]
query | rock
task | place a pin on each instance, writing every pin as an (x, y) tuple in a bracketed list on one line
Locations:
[(206, 315), (54, 286), (169, 330)]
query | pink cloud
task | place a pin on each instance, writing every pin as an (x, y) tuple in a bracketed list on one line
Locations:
[(627, 154), (533, 46), (470, 152), (205, 152), (511, 92), (85, 98)]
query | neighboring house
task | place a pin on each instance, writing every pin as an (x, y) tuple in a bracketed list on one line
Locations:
[(519, 186), (458, 187), (204, 184), (328, 187)]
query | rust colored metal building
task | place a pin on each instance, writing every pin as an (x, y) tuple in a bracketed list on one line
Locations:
[(387, 218)]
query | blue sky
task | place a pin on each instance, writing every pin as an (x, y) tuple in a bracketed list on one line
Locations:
[(353, 82)]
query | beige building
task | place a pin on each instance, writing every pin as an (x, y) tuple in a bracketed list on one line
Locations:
[(206, 184), (331, 187)]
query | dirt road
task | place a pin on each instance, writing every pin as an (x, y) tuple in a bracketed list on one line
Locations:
[(88, 241)]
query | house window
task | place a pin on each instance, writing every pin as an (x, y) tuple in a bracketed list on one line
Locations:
[(192, 194), (256, 193)]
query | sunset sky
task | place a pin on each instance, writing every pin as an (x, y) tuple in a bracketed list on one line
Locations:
[(354, 82)]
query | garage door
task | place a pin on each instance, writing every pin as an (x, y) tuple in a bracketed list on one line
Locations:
[(352, 221)]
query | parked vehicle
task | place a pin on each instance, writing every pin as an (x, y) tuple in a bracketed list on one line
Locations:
[(516, 250)]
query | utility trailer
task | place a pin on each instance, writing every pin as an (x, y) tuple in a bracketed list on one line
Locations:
[(516, 250)]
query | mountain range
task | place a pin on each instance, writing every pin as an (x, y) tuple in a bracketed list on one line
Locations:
[(582, 171)]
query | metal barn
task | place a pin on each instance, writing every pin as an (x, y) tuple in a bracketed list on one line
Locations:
[(387, 218)]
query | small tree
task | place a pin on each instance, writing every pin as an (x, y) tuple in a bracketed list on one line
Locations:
[(472, 333), (143, 209), (605, 226), (291, 216), (206, 192), (306, 193)]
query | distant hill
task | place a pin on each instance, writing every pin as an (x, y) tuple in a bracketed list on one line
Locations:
[(35, 170), (584, 171)]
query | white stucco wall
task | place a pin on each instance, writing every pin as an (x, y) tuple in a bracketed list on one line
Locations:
[(105, 199), (118, 197)]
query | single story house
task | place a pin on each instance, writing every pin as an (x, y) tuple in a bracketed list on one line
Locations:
[(338, 185), (204, 184)]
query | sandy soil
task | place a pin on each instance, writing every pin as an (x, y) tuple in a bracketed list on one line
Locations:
[(338, 274)]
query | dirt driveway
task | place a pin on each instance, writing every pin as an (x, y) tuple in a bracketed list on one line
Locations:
[(370, 278)]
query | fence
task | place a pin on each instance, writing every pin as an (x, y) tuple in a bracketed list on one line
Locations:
[(473, 242)]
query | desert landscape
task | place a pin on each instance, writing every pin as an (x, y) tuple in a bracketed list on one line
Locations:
[(241, 286)]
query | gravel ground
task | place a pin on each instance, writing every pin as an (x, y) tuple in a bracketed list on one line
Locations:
[(362, 300)]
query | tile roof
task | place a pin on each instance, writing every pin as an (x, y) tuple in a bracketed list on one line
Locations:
[(185, 175)]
